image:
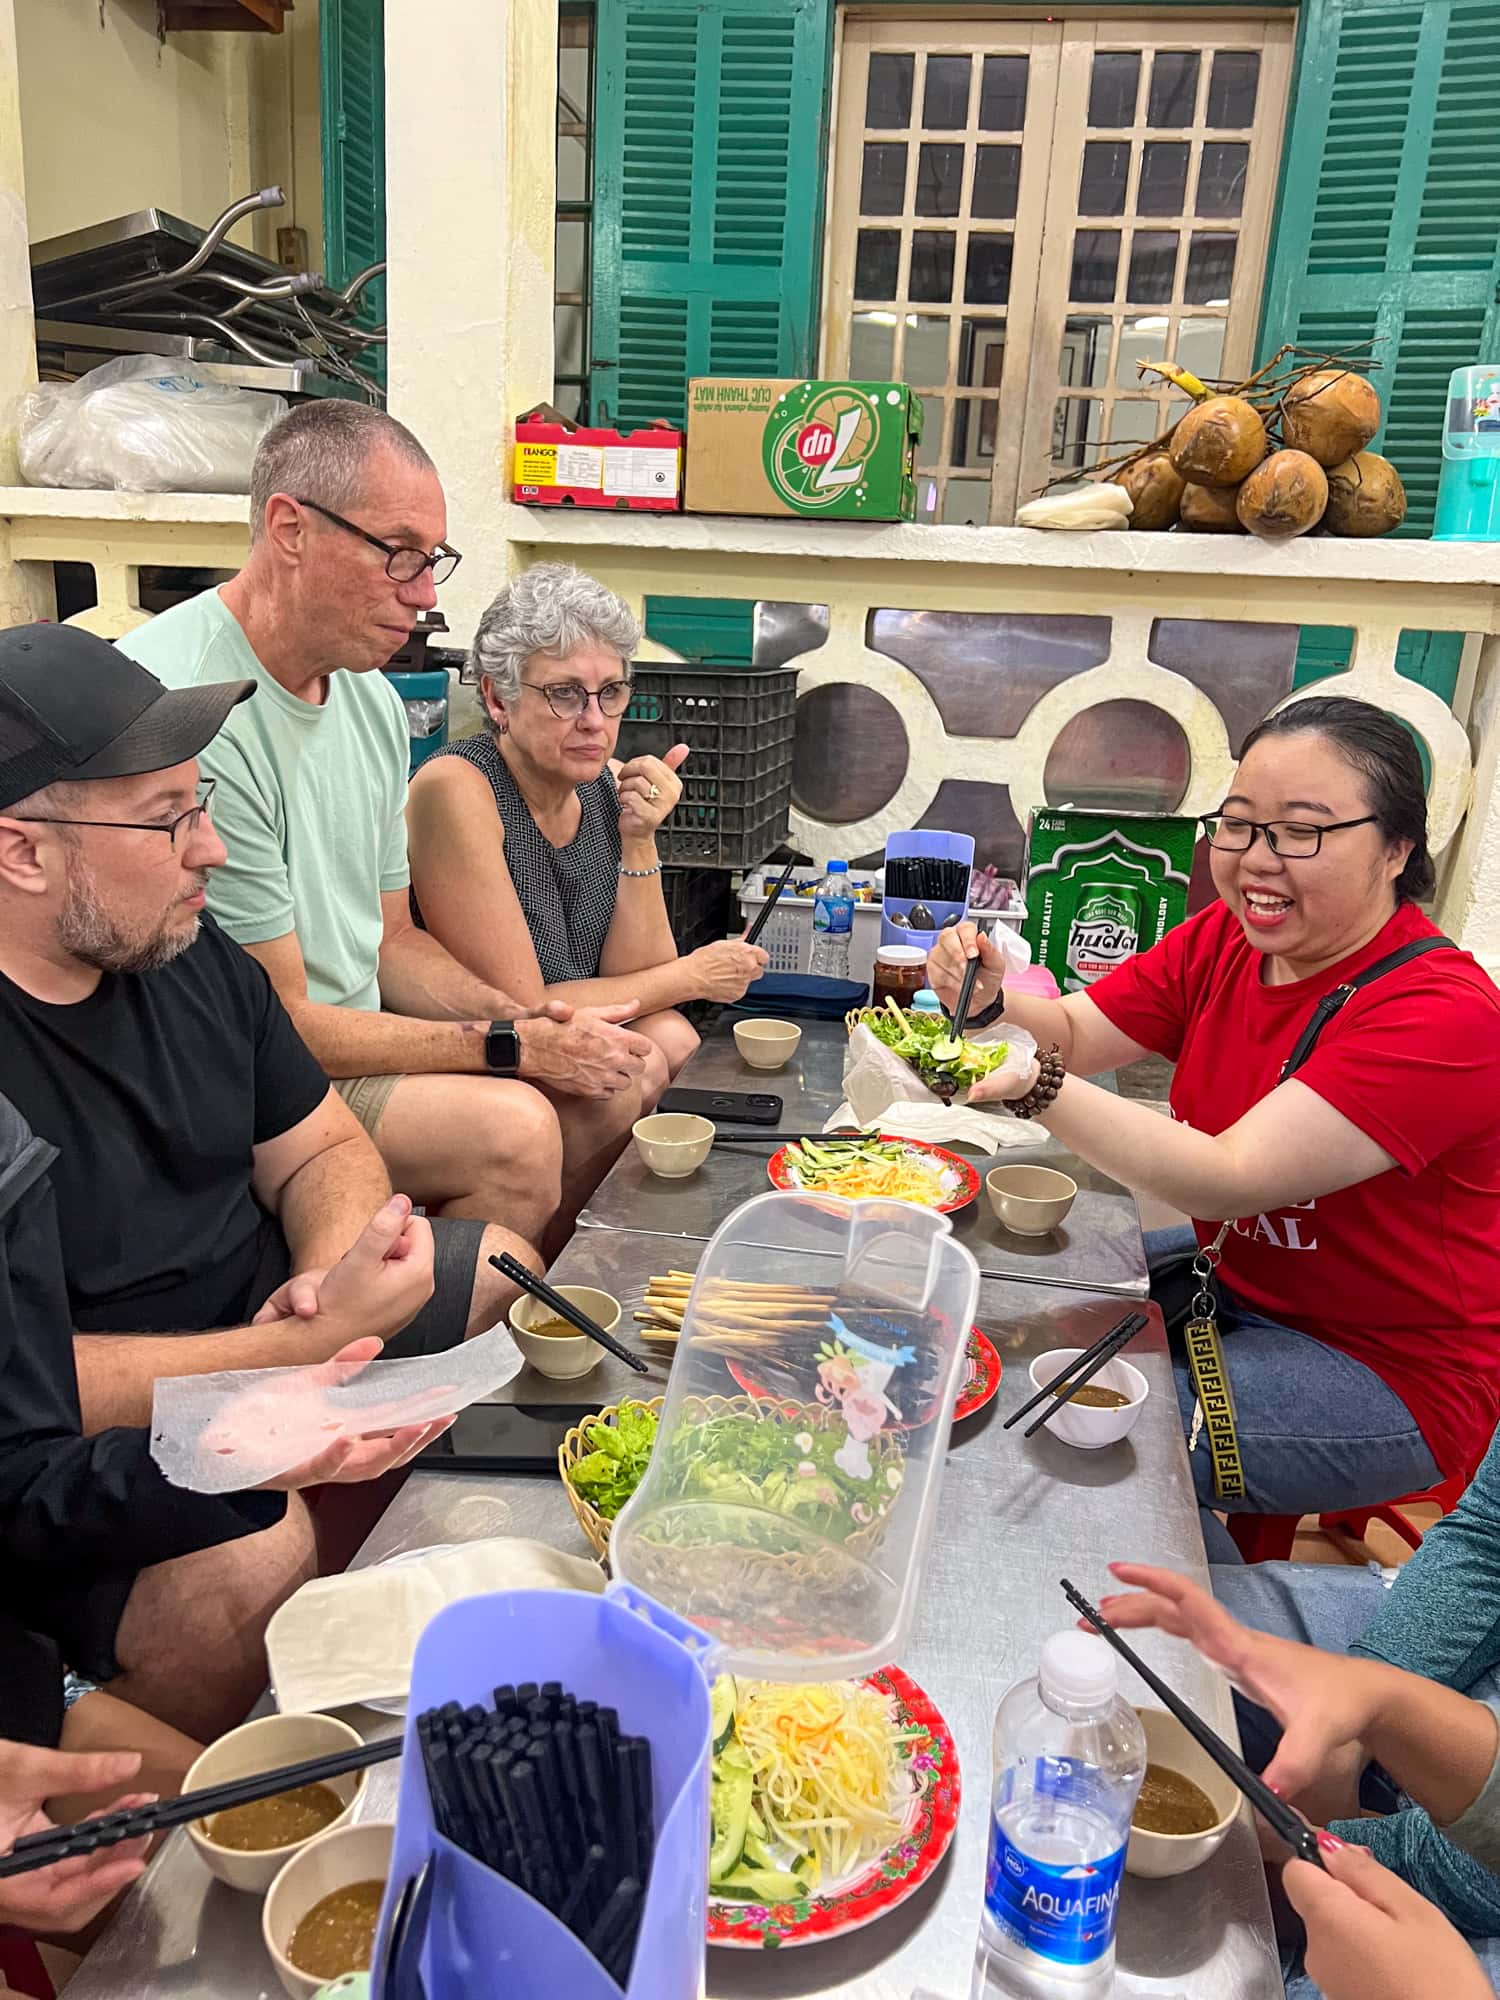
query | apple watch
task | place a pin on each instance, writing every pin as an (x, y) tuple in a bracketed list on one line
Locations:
[(502, 1049)]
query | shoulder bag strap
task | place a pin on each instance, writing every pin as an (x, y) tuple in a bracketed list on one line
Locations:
[(1330, 1003)]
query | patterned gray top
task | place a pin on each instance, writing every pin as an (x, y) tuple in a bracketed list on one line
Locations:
[(567, 893)]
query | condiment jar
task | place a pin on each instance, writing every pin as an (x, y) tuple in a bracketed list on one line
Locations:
[(900, 973)]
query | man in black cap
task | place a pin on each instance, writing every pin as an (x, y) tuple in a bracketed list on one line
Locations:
[(207, 1174)]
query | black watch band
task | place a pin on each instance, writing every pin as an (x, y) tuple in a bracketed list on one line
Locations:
[(986, 1017), (502, 1048)]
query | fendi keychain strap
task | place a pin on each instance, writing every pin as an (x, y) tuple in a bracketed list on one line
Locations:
[(1205, 1353)]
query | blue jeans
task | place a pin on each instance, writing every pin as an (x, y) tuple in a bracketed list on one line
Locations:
[(1320, 1605), (1318, 1430)]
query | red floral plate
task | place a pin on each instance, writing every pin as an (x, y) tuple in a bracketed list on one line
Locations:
[(980, 1384), (932, 1761), (959, 1181)]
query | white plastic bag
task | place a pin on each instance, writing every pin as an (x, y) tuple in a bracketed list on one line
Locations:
[(227, 1432), (143, 424), (881, 1088)]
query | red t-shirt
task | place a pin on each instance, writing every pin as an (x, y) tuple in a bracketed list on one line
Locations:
[(1402, 1271)]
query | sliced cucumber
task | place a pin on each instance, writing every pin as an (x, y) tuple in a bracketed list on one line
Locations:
[(729, 1802), (762, 1885), (721, 1700)]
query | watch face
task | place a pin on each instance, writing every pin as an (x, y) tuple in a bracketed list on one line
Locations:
[(502, 1048)]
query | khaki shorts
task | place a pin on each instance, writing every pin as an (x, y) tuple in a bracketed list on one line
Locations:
[(366, 1097)]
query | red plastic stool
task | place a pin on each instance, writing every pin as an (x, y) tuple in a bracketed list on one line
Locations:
[(21, 1966), (1269, 1537), (1358, 1519)]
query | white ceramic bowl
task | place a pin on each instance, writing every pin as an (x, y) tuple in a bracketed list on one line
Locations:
[(562, 1356), (673, 1144), (766, 1044), (1157, 1854), (262, 1746), (1077, 1423), (332, 1861), (1030, 1201)]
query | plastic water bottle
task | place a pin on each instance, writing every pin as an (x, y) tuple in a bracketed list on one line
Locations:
[(833, 923), (1069, 1756)]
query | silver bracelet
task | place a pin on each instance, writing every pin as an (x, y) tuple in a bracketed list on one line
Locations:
[(640, 874)]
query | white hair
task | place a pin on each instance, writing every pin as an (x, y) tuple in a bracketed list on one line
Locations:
[(320, 451), (555, 609)]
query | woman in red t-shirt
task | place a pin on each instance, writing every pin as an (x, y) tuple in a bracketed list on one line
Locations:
[(1360, 1284)]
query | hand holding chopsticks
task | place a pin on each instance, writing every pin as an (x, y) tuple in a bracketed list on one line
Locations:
[(1283, 1819), (1078, 1371), (510, 1267), (62, 1843)]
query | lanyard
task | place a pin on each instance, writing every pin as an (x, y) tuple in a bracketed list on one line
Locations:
[(1205, 1352)]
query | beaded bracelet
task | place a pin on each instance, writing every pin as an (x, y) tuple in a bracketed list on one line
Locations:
[(1049, 1081), (640, 874)]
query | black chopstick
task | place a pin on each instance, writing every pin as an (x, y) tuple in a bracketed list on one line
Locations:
[(1283, 1819), (61, 1843), (1067, 1393), (1133, 1320), (965, 995), (518, 1274), (841, 1138), (773, 896)]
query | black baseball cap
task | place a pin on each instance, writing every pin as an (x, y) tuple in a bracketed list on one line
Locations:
[(73, 707)]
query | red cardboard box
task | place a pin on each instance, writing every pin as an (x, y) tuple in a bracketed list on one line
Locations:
[(562, 464)]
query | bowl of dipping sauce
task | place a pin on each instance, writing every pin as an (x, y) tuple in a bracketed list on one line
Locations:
[(766, 1044), (1105, 1408), (1030, 1201), (555, 1347), (246, 1846), (673, 1144), (1186, 1806), (320, 1917)]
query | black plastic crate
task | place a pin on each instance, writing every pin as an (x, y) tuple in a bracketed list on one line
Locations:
[(700, 908), (737, 785)]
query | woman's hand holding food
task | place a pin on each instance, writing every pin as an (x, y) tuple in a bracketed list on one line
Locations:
[(649, 787), (949, 959), (1370, 1936), (724, 971)]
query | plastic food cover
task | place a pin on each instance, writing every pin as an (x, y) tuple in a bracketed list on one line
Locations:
[(792, 1490)]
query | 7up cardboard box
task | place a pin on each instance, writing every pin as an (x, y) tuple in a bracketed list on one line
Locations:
[(1101, 886), (840, 451)]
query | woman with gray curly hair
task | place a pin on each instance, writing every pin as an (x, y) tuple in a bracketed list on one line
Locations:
[(533, 850)]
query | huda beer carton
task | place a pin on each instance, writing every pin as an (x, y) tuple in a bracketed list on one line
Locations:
[(1101, 886)]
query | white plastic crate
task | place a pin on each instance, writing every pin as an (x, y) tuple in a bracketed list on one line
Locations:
[(788, 937)]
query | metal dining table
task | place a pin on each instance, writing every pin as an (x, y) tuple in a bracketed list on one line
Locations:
[(1014, 1516), (1097, 1248)]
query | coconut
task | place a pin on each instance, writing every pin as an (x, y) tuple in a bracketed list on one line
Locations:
[(1210, 510), (1365, 496), (1284, 496), (1217, 442), (1155, 490), (1330, 415)]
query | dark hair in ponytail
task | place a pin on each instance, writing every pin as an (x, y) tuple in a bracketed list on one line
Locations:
[(1384, 753)]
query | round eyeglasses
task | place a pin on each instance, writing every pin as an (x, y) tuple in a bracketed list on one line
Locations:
[(571, 698), (1293, 840), (402, 564)]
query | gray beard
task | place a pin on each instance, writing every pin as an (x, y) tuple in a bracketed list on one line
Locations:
[(87, 931)]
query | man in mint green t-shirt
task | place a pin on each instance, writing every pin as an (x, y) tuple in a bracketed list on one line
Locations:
[(480, 1108)]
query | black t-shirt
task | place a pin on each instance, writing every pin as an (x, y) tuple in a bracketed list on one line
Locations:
[(154, 1091)]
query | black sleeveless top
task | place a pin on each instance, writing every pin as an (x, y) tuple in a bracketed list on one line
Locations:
[(567, 893)]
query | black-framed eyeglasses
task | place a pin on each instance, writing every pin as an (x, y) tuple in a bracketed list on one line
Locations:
[(571, 698), (186, 822), (1293, 840), (402, 564)]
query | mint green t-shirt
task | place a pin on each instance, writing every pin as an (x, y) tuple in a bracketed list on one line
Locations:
[(311, 802)]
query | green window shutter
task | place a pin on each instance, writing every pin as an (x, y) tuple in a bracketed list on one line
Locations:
[(1388, 224), (709, 159), (352, 34)]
